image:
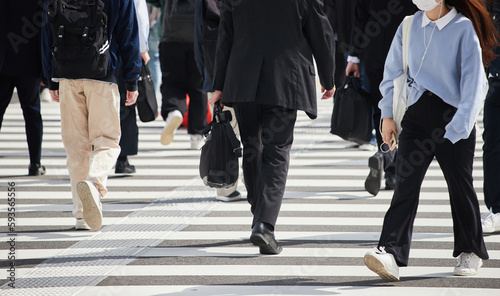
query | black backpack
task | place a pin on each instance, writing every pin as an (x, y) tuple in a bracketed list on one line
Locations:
[(219, 165), (178, 23), (80, 45)]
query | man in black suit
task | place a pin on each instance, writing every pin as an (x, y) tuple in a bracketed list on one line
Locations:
[(375, 23), (21, 67), (264, 69)]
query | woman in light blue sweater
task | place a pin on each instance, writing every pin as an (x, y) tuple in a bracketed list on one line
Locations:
[(448, 49)]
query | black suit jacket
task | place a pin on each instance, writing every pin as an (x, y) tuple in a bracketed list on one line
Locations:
[(265, 52)]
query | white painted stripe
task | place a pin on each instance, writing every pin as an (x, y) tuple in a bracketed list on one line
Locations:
[(239, 207), (338, 195), (252, 270), (294, 252), (294, 290), (166, 159), (239, 252), (284, 270), (241, 221), (226, 235), (314, 236), (316, 221), (112, 207), (319, 207)]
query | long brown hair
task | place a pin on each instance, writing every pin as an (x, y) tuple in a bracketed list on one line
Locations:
[(476, 11)]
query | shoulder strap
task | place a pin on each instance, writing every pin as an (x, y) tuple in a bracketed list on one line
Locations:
[(406, 40)]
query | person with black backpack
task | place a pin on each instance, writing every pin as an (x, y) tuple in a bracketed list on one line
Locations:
[(82, 44), (180, 76)]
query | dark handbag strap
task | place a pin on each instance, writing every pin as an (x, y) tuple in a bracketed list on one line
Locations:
[(220, 116)]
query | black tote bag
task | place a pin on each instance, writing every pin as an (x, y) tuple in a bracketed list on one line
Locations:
[(352, 112), (147, 107), (219, 165)]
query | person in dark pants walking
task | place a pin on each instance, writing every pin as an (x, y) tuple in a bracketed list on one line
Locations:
[(21, 68), (491, 137), (180, 76), (446, 87), (375, 23), (264, 69), (129, 140)]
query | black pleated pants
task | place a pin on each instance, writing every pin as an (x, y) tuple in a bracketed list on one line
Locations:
[(267, 137), (420, 141)]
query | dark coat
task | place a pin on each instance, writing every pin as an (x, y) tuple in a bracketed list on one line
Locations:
[(375, 24), (341, 16), (20, 52), (265, 53)]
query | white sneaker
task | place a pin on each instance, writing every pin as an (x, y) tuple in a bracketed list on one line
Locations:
[(90, 197), (81, 225), (383, 264), (467, 264), (491, 222), (172, 123), (235, 195), (197, 142)]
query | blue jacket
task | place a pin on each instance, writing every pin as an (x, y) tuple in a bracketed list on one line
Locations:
[(124, 43)]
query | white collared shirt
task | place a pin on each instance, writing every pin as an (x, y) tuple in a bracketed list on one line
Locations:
[(441, 22)]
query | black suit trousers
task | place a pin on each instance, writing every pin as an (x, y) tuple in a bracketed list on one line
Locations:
[(420, 141), (267, 136), (180, 76), (28, 90)]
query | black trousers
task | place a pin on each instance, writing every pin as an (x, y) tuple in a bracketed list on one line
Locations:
[(375, 74), (420, 141), (267, 136), (28, 90), (180, 76), (129, 140), (491, 148)]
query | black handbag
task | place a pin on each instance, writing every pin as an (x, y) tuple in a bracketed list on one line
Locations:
[(147, 107), (219, 165), (352, 112)]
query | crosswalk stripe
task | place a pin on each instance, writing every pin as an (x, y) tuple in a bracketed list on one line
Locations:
[(185, 236)]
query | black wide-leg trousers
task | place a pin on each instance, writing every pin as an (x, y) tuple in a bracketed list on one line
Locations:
[(267, 136), (420, 141)]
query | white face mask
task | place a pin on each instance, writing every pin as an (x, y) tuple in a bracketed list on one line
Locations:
[(426, 5)]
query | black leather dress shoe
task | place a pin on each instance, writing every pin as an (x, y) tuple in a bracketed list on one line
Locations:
[(123, 167), (36, 170), (376, 164), (264, 239)]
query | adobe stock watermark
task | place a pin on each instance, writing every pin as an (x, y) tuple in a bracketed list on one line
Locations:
[(426, 148), (11, 235), (380, 20), (29, 30)]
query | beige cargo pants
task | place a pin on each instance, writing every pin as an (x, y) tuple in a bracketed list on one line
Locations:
[(90, 131)]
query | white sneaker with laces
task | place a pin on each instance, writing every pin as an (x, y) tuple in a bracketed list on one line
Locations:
[(490, 222), (467, 264), (91, 200), (197, 142), (81, 225), (383, 264), (235, 195), (172, 123)]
